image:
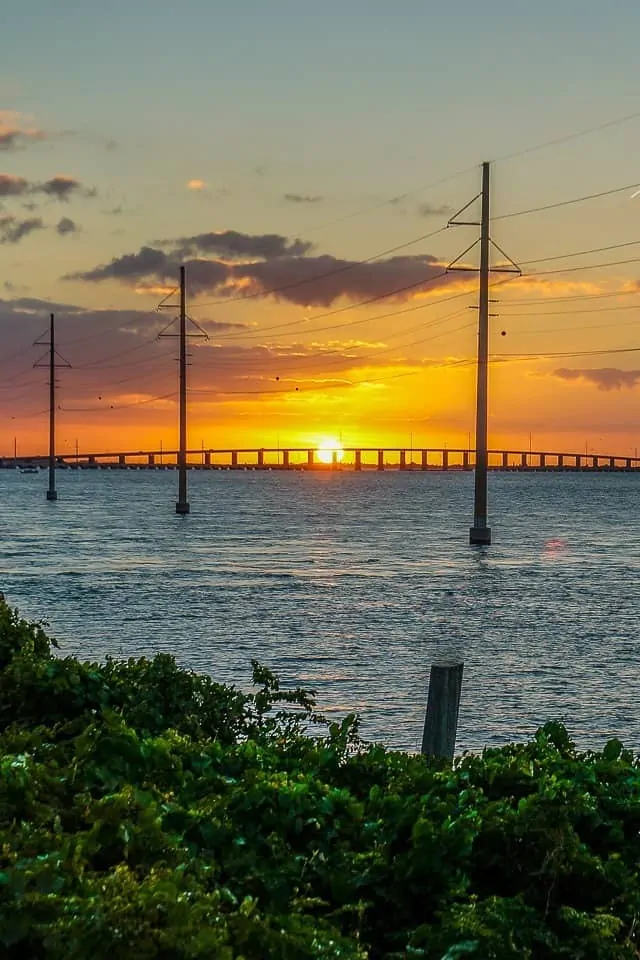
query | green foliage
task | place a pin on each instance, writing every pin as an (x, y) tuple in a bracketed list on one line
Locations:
[(149, 812)]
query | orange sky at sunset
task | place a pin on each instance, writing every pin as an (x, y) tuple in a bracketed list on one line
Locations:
[(312, 220)]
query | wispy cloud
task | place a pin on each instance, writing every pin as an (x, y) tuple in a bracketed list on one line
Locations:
[(604, 378), (13, 230), (16, 132), (302, 198), (435, 210), (65, 226), (61, 187)]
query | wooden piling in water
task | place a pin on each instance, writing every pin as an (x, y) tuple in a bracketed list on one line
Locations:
[(443, 705)]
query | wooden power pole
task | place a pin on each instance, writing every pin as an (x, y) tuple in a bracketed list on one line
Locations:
[(182, 506), (480, 532), (52, 493)]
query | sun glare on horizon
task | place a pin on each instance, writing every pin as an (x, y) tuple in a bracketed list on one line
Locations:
[(328, 449)]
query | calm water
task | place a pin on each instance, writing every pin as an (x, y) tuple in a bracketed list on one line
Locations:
[(350, 584)]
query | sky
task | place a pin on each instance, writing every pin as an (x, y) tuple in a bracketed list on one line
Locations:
[(303, 163)]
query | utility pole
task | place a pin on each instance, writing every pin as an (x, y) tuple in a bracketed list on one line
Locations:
[(182, 506), (480, 532), (52, 493)]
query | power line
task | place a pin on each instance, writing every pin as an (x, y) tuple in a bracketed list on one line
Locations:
[(571, 297), (581, 253), (391, 201), (113, 406), (566, 203), (590, 266), (565, 313), (569, 136), (360, 359)]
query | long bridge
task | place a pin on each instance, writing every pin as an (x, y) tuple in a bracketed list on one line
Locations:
[(345, 458)]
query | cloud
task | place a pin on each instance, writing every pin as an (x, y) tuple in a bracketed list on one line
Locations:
[(60, 187), (14, 133), (545, 287), (13, 186), (131, 268), (306, 281), (230, 243), (301, 198), (321, 281), (435, 210), (13, 230), (65, 225), (197, 185), (604, 378), (272, 265)]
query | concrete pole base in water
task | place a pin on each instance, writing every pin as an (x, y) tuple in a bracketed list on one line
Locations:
[(443, 705), (183, 509), (52, 495), (480, 535)]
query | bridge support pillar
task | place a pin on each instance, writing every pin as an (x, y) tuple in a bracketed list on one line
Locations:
[(234, 458), (629, 463), (595, 463), (578, 462), (612, 463), (311, 459), (121, 459), (285, 459), (261, 458), (561, 461), (403, 459), (425, 459), (505, 460), (445, 459), (358, 463), (543, 461), (465, 459), (207, 458), (524, 460), (380, 459), (93, 460), (151, 460)]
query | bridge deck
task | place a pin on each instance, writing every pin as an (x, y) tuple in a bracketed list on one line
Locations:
[(348, 458)]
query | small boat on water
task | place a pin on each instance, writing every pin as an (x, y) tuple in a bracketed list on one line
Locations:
[(29, 470)]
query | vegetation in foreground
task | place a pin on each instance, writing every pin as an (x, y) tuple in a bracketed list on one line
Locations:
[(147, 812)]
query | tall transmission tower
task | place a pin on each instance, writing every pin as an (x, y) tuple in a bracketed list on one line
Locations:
[(182, 506), (52, 493), (480, 532)]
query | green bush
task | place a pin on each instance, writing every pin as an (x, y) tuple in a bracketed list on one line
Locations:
[(150, 813)]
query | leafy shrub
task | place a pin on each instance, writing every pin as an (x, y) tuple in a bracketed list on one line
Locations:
[(147, 812)]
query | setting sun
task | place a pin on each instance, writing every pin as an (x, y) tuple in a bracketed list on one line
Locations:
[(329, 449)]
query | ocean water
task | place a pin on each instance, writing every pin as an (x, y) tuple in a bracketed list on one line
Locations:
[(351, 584)]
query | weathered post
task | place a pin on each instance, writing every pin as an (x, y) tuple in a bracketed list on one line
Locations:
[(443, 705)]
